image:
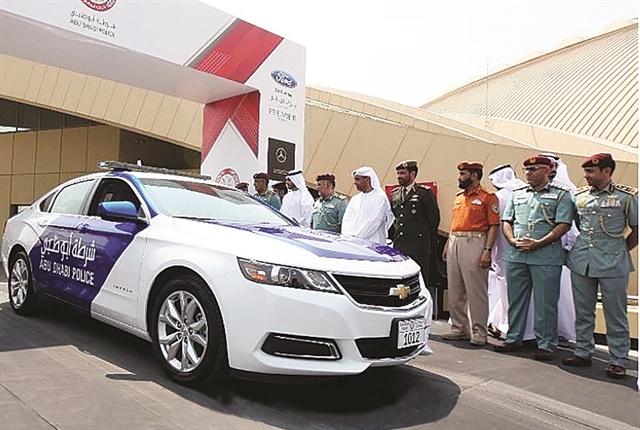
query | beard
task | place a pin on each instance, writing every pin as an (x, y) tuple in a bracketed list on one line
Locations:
[(464, 184)]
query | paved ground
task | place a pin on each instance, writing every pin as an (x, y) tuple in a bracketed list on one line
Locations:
[(63, 371)]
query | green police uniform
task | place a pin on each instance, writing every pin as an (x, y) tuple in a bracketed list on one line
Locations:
[(327, 213), (270, 197), (534, 214), (600, 257)]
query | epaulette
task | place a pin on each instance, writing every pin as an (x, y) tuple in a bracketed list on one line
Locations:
[(560, 187), (396, 190), (583, 189), (521, 188), (626, 189), (341, 197)]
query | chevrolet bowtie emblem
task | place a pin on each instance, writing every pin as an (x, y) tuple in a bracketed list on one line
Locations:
[(400, 290)]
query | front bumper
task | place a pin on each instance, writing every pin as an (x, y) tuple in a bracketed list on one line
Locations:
[(362, 335)]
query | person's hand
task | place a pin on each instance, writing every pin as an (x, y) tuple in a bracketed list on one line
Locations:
[(444, 253), (527, 244), (485, 259)]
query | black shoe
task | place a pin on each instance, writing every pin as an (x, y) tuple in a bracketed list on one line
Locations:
[(543, 355), (507, 347), (494, 332), (530, 344), (616, 372), (576, 361)]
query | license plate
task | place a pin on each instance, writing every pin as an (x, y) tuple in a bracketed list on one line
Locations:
[(411, 332)]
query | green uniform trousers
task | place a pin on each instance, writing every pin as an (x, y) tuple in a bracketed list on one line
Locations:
[(544, 281), (614, 301)]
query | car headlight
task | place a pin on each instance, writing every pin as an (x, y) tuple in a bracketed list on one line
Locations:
[(285, 276)]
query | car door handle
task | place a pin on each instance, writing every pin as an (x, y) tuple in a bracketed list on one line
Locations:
[(43, 224), (83, 227)]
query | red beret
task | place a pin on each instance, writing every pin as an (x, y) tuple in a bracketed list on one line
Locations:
[(326, 177), (242, 186), (470, 165), (279, 186), (538, 159), (261, 175), (601, 160)]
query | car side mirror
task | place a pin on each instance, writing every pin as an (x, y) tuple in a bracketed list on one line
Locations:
[(119, 211)]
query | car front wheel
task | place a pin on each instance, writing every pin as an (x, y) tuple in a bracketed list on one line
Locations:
[(188, 332), (21, 295)]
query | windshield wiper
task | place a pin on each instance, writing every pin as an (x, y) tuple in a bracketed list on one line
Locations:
[(195, 218)]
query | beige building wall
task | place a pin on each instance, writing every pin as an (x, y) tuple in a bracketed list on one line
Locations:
[(33, 162)]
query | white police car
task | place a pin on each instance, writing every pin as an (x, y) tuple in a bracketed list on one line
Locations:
[(216, 280)]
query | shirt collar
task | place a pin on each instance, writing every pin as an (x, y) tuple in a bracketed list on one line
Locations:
[(544, 187), (328, 198), (476, 190), (610, 188)]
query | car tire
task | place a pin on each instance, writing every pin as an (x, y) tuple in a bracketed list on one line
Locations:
[(20, 284), (187, 332)]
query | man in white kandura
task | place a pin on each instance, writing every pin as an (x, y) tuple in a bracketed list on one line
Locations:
[(505, 180), (368, 215), (298, 202), (566, 310)]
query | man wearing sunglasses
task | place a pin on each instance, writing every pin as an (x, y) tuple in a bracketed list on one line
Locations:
[(535, 219)]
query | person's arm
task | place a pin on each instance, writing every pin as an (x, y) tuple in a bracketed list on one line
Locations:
[(433, 212), (275, 201), (632, 218), (507, 229), (632, 239), (485, 257)]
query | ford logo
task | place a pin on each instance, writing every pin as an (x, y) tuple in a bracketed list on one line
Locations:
[(283, 78)]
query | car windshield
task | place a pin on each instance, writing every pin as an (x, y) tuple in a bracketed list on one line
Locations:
[(198, 200)]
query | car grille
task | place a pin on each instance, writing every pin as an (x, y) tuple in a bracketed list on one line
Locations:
[(375, 291), (382, 347)]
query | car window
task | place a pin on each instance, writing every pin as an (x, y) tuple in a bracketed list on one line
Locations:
[(69, 200), (45, 204), (114, 190), (184, 198)]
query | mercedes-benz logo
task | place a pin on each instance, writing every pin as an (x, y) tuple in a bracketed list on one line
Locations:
[(281, 155)]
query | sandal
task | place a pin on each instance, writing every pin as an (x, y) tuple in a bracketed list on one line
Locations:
[(616, 372)]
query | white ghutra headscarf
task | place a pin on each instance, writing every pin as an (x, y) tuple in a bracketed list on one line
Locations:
[(298, 204)]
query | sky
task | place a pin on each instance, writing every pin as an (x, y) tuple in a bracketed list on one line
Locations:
[(412, 51)]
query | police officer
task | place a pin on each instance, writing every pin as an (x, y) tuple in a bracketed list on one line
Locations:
[(601, 258), (328, 209), (416, 220), (533, 222), (279, 189), (261, 184)]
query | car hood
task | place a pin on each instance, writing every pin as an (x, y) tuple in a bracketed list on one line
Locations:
[(320, 243)]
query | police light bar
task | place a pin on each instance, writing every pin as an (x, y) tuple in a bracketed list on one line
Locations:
[(129, 167)]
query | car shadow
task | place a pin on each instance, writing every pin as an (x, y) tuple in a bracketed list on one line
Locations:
[(383, 398)]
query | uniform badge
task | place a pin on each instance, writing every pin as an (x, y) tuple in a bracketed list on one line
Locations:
[(549, 196), (610, 202), (495, 208), (413, 211), (476, 202)]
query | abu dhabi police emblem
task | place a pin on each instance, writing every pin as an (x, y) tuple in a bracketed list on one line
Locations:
[(99, 5), (228, 177)]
